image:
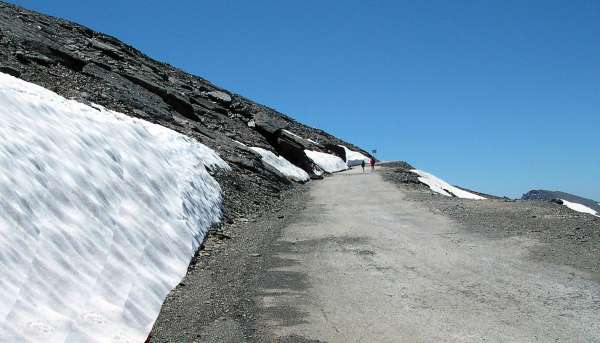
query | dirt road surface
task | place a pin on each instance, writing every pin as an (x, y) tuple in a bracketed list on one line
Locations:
[(362, 264)]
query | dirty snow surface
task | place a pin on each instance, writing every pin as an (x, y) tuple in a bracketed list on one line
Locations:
[(100, 216), (282, 165), (442, 187), (579, 207), (354, 158), (328, 162)]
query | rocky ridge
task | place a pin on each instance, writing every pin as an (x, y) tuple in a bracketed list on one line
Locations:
[(544, 195)]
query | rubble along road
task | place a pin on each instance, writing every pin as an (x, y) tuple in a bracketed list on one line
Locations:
[(361, 264)]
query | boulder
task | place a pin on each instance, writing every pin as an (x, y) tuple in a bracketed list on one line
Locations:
[(293, 151), (268, 125), (107, 49), (178, 102), (219, 96), (336, 150)]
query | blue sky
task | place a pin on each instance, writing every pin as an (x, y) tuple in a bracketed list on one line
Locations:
[(497, 96)]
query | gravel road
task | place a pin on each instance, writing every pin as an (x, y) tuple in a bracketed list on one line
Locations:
[(363, 262)]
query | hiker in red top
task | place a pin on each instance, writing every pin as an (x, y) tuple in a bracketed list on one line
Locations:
[(372, 161)]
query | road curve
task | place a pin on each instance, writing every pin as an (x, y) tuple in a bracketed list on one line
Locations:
[(362, 264)]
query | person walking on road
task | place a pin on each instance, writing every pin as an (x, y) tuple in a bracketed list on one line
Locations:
[(372, 161), (362, 164)]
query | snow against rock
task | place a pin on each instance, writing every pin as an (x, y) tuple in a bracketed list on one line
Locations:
[(354, 158), (442, 187), (579, 207), (100, 215), (328, 162), (282, 165)]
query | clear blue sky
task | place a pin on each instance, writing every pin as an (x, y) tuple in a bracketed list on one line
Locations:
[(498, 96)]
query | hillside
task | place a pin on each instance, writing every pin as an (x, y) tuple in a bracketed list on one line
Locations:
[(83, 156)]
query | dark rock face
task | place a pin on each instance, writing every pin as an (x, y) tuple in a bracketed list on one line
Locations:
[(268, 124), (10, 71), (555, 196), (293, 150), (337, 150)]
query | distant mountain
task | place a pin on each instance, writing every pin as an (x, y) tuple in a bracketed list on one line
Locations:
[(540, 194)]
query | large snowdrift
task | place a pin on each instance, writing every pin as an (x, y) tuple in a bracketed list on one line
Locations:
[(442, 187), (100, 215), (327, 162), (282, 165), (579, 207), (354, 158)]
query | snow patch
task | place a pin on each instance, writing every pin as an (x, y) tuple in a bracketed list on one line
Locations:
[(100, 215), (284, 166), (442, 187), (328, 162), (240, 143), (579, 207), (293, 134), (354, 158)]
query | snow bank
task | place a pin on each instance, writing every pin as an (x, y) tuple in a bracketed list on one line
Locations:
[(327, 162), (442, 187), (100, 215), (284, 166), (579, 207), (354, 158)]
